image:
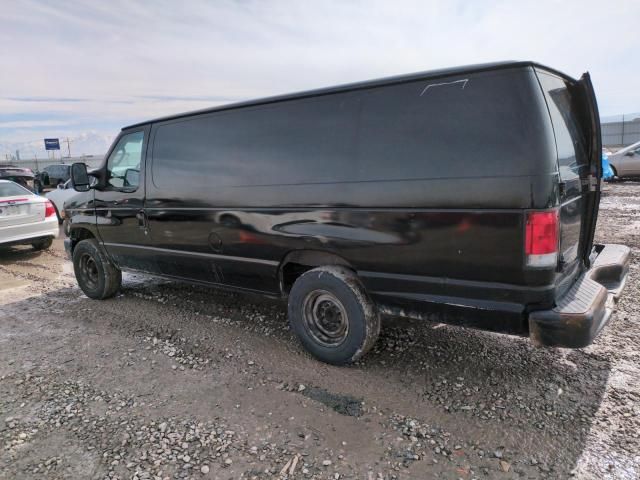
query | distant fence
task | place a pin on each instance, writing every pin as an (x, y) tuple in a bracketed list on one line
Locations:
[(92, 161), (620, 130)]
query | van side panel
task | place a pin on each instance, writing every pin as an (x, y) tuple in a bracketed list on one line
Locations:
[(416, 140), (419, 186)]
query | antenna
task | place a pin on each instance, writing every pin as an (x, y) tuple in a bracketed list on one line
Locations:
[(68, 146)]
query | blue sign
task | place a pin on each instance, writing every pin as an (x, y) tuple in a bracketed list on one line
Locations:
[(52, 144)]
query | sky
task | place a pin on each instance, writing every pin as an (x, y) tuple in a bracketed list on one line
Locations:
[(82, 70)]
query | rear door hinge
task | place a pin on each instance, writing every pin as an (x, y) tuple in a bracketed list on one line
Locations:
[(591, 182)]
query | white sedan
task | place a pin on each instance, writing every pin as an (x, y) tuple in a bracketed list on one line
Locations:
[(26, 218)]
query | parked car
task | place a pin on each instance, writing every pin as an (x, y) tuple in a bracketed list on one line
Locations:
[(25, 218), (60, 195), (626, 161), (21, 176), (52, 175), (467, 195)]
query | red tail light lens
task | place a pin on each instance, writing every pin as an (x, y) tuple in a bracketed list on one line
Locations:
[(49, 209), (541, 238)]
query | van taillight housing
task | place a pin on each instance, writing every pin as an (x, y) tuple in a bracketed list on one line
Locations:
[(49, 209), (541, 238)]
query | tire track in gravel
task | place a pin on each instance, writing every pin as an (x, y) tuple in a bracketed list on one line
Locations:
[(613, 444), (437, 402)]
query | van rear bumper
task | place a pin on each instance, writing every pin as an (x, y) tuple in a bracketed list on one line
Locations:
[(583, 311)]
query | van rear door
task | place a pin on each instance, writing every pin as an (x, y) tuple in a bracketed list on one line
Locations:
[(576, 126)]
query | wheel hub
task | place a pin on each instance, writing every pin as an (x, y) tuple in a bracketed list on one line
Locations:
[(89, 270), (325, 318)]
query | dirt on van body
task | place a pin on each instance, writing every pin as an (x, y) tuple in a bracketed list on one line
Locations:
[(173, 381)]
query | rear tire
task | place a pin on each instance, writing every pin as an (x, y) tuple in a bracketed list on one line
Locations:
[(332, 315), (96, 275), (42, 244)]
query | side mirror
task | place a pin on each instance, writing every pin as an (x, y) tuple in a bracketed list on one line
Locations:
[(80, 177), (629, 154), (131, 177)]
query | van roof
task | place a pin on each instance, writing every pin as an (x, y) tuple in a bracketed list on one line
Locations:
[(426, 75)]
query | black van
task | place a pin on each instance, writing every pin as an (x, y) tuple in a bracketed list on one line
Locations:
[(469, 195), (52, 176)]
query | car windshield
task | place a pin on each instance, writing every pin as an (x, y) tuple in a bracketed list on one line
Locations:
[(634, 147), (11, 189)]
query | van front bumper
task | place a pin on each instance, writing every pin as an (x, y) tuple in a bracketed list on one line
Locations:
[(586, 307)]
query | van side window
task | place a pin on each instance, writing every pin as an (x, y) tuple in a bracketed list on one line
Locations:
[(123, 166), (569, 142)]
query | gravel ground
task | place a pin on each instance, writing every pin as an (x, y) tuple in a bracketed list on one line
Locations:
[(174, 381)]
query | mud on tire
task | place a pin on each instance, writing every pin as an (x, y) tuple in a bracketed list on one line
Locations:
[(332, 315), (96, 275)]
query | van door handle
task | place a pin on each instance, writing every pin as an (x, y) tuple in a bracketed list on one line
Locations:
[(142, 219)]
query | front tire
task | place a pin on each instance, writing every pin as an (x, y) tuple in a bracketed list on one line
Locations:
[(332, 315), (42, 244), (96, 275)]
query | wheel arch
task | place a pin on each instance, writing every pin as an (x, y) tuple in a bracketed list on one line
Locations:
[(78, 234), (297, 262), (55, 207)]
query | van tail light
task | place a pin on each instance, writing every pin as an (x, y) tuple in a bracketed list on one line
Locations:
[(49, 210), (541, 238)]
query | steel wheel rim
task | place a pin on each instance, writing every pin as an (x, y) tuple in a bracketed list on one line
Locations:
[(89, 271), (325, 318)]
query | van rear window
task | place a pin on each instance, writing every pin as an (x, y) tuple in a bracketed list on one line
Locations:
[(12, 189), (570, 143)]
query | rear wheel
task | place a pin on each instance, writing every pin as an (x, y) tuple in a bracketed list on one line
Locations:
[(96, 275), (42, 244), (332, 315)]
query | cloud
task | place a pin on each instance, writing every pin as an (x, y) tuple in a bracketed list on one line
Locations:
[(47, 99), (108, 64), (184, 98), (32, 124)]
